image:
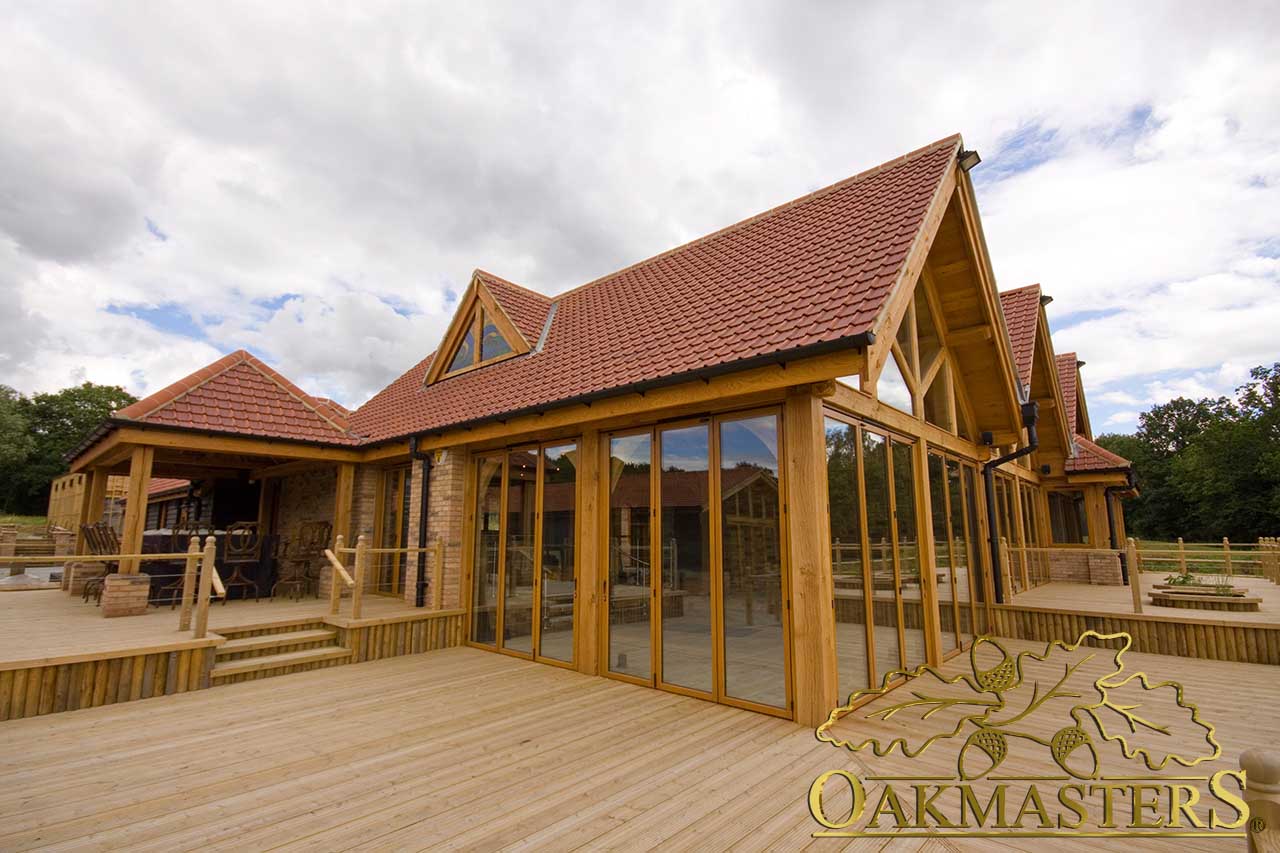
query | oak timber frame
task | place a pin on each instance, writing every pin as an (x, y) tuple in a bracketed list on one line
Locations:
[(947, 270)]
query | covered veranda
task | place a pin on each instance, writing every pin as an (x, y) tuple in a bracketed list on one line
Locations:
[(287, 499)]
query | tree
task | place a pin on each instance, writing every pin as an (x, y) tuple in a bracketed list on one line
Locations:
[(37, 432), (1208, 468)]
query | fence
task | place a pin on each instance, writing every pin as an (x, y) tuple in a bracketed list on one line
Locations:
[(1256, 559)]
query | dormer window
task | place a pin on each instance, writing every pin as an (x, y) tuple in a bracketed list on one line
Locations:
[(481, 333)]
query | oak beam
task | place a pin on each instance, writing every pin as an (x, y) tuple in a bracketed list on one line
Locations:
[(591, 567), (343, 496)]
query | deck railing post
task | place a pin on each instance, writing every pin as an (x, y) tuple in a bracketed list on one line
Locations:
[(1006, 566), (437, 577), (362, 565), (206, 586), (189, 577), (1135, 576), (1262, 768), (1226, 554), (1182, 557), (335, 591)]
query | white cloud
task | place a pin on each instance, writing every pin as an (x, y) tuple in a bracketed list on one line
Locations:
[(315, 168)]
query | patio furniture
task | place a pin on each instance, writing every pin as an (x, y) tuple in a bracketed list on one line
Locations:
[(243, 547), (299, 561), (101, 540)]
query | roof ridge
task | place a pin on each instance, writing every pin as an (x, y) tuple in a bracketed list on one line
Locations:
[(292, 390), (174, 391), (953, 139), (485, 273), (1014, 290)]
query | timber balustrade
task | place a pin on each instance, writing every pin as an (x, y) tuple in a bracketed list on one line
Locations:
[(357, 581)]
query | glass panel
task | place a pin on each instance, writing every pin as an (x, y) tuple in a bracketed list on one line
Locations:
[(522, 496), (492, 343), (484, 574), (1067, 520), (891, 388), (559, 513), (975, 559), (960, 553), (904, 496), (884, 585), (937, 403), (843, 507), (979, 578), (926, 330), (466, 353), (942, 551), (629, 510), (685, 557), (389, 568), (754, 650)]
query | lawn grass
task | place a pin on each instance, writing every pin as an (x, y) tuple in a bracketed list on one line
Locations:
[(24, 520)]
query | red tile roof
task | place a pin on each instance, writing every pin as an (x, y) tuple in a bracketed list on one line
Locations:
[(164, 485), (1021, 309), (240, 394), (815, 271), (526, 308), (1091, 457), (1068, 366)]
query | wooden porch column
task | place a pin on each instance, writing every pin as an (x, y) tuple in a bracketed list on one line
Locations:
[(590, 563), (928, 559), (813, 623), (135, 509), (343, 495), (92, 499)]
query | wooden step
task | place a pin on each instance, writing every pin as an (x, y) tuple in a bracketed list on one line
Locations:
[(275, 641), (239, 667)]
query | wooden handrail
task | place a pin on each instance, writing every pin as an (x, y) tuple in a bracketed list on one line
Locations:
[(207, 573), (339, 568), (189, 580), (93, 558)]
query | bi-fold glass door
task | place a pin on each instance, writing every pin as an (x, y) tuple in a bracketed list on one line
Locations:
[(695, 587), (523, 587), (875, 553)]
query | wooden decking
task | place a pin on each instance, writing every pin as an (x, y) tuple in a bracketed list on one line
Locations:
[(1103, 598), (469, 749), (48, 626)]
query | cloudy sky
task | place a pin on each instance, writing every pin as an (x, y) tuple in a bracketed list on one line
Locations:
[(316, 182)]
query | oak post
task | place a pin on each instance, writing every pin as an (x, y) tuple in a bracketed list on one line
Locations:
[(1182, 557), (189, 579), (815, 686), (1226, 555), (206, 585), (1135, 575), (437, 577), (135, 508), (362, 563)]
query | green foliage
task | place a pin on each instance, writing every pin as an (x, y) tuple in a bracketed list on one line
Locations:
[(37, 432), (1181, 580), (1208, 468)]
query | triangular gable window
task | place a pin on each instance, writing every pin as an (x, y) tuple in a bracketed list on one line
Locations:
[(480, 334), (493, 344)]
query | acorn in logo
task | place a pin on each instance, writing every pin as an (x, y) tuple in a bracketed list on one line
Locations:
[(982, 752), (999, 678), (1067, 743)]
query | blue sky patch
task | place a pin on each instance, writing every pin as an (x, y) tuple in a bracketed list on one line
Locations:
[(155, 230), (169, 317)]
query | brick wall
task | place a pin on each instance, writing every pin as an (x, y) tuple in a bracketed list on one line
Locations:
[(306, 496), (1084, 566), (444, 521), (364, 505)]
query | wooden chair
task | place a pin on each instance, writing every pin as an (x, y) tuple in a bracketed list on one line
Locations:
[(102, 540), (243, 547), (179, 541), (299, 569)]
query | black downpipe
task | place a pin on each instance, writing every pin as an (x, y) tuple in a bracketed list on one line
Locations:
[(1111, 529), (420, 594), (1030, 415)]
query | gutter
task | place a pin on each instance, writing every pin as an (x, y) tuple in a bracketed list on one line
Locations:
[(420, 594), (859, 341), (1030, 415)]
